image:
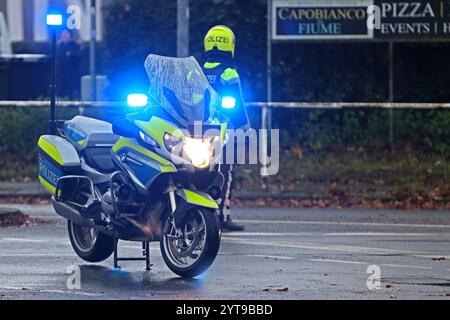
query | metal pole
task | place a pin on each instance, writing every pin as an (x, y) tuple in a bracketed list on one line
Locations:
[(53, 85), (269, 63), (182, 28), (391, 94), (266, 112), (92, 54)]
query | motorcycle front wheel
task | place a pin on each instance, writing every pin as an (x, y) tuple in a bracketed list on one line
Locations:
[(191, 249)]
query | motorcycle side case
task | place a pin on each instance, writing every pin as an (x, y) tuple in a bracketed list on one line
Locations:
[(57, 158)]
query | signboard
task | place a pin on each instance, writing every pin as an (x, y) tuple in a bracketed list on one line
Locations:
[(360, 19), (413, 19)]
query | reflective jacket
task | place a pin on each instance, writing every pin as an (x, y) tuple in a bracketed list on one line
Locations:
[(224, 78)]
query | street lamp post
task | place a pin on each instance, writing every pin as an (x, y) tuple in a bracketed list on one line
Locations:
[(54, 22), (92, 50)]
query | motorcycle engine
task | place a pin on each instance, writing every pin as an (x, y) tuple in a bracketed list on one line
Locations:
[(117, 199)]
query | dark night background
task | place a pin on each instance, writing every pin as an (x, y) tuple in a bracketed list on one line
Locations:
[(303, 71)]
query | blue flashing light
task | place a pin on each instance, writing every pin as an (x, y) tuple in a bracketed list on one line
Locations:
[(54, 19), (137, 100), (228, 102)]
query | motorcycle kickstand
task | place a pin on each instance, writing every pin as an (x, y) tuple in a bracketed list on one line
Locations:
[(145, 253), (116, 260)]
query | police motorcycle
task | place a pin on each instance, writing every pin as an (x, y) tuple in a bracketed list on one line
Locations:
[(149, 177)]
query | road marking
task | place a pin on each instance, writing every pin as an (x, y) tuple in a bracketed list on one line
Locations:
[(266, 256), (138, 247), (81, 293), (14, 255), (337, 261), (385, 234), (405, 266), (338, 223), (327, 247), (42, 240), (270, 256), (336, 248), (369, 263), (16, 288), (22, 240), (336, 234)]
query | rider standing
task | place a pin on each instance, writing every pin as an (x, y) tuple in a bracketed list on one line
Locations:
[(219, 68)]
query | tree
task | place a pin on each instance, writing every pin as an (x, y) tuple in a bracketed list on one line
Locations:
[(135, 29)]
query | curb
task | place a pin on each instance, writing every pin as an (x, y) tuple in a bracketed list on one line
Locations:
[(6, 213), (35, 190), (22, 189), (29, 190)]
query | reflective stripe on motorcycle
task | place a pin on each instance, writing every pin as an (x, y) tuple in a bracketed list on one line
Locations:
[(47, 185), (51, 150), (198, 198), (125, 143)]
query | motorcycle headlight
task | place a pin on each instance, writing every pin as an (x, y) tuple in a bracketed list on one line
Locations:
[(199, 151), (171, 142)]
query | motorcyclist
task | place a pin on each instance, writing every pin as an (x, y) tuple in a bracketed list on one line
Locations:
[(219, 68)]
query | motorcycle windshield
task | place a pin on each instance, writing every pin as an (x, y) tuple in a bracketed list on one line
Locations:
[(180, 87)]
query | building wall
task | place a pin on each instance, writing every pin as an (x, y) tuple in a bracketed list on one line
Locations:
[(26, 18)]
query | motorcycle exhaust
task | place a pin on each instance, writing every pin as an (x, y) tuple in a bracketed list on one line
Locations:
[(71, 214)]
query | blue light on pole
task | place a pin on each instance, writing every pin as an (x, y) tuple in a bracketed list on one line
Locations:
[(54, 19), (228, 102), (137, 100), (54, 23)]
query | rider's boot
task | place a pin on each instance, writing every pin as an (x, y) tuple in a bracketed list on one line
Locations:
[(226, 223)]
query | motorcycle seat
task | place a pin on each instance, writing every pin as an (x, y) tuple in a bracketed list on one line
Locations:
[(84, 132)]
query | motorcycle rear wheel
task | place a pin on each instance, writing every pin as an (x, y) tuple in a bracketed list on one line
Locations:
[(90, 244), (190, 254)]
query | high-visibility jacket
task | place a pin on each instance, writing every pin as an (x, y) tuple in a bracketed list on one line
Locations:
[(224, 78)]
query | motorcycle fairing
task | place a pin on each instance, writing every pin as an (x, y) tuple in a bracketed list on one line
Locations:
[(188, 200), (141, 163), (197, 198), (157, 127)]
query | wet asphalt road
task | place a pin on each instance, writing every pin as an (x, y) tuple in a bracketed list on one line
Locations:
[(314, 254)]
